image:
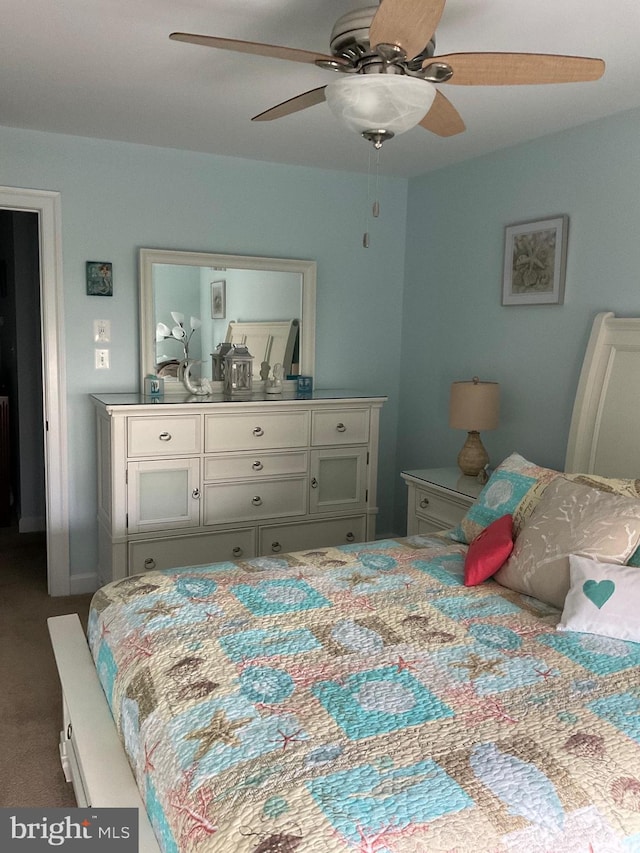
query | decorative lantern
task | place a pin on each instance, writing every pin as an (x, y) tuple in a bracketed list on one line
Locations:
[(218, 361), (238, 370)]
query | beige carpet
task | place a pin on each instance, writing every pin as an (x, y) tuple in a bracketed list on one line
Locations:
[(30, 702)]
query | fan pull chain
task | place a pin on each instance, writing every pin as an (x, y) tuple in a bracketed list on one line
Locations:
[(375, 206), (365, 236)]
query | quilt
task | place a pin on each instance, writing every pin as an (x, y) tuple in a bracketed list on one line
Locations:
[(361, 698)]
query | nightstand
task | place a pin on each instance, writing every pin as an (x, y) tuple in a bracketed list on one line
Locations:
[(438, 498)]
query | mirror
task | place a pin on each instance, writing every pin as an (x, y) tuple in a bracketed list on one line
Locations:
[(216, 290)]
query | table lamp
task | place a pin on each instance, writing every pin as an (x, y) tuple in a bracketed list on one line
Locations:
[(474, 406)]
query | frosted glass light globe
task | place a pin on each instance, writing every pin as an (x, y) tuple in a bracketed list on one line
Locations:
[(374, 102)]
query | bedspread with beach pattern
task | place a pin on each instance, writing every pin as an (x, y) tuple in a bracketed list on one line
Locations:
[(361, 698)]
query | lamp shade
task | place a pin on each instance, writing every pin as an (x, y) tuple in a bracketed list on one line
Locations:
[(375, 102), (474, 405)]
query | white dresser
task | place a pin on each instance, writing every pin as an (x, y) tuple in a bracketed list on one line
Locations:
[(184, 482)]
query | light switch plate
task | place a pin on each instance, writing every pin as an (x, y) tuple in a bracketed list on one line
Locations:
[(102, 331), (102, 359)]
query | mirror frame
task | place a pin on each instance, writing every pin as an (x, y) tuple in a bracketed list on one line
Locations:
[(307, 269)]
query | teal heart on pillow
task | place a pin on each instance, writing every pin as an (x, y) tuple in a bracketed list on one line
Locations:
[(598, 592)]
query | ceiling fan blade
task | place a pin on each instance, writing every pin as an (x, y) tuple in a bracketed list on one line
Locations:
[(407, 23), (256, 48), (443, 118), (515, 69), (293, 105)]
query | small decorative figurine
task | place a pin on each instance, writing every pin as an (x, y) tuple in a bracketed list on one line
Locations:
[(274, 386), (200, 387), (483, 475)]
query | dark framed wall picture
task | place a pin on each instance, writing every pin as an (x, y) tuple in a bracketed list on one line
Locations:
[(99, 278), (218, 299), (535, 262)]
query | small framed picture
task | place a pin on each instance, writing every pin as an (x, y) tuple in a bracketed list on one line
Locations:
[(218, 299), (99, 278), (535, 262)]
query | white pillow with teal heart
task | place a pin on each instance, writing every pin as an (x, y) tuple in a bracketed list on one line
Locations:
[(603, 598)]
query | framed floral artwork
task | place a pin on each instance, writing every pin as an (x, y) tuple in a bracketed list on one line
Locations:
[(99, 278), (535, 261), (218, 299)]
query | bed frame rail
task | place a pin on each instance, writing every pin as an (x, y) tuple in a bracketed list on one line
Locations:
[(91, 752)]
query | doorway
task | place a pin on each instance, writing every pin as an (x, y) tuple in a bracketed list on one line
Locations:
[(45, 206), (22, 492)]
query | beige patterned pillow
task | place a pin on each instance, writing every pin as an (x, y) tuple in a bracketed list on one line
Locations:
[(570, 518), (628, 488)]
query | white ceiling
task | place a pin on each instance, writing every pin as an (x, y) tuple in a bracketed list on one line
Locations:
[(107, 69)]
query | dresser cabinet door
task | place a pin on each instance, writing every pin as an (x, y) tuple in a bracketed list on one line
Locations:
[(338, 479), (163, 494)]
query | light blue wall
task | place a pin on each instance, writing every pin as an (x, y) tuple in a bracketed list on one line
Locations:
[(118, 197), (454, 325)]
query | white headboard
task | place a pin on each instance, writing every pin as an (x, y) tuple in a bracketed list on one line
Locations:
[(272, 341), (604, 437)]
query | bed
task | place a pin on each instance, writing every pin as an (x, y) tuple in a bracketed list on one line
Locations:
[(363, 698)]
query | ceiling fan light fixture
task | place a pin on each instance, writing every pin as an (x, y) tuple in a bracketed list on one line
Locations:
[(392, 103)]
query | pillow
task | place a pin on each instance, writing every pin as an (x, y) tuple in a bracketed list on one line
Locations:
[(488, 551), (602, 599), (570, 518), (631, 488), (513, 488)]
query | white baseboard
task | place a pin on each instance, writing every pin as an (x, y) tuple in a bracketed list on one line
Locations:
[(32, 524), (81, 584)]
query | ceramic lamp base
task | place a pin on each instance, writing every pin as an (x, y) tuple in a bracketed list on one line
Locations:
[(473, 457)]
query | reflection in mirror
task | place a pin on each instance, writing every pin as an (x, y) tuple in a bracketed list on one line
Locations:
[(217, 294)]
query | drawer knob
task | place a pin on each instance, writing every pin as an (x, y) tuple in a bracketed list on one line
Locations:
[(237, 551), (69, 731), (257, 465), (258, 431), (165, 436), (276, 547), (256, 500), (350, 537), (341, 427), (314, 483), (195, 494), (424, 502), (149, 563)]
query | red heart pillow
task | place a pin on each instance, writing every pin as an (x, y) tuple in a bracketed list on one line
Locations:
[(489, 551)]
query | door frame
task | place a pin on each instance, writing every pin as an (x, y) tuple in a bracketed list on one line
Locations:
[(47, 205)]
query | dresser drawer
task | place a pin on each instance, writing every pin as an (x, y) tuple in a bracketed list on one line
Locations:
[(340, 426), (171, 552), (282, 538), (231, 502), (163, 436), (441, 511), (256, 431), (244, 465)]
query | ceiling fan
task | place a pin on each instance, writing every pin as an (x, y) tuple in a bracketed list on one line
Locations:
[(385, 56)]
